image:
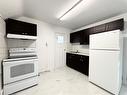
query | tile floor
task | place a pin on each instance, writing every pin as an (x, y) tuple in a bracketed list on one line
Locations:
[(65, 81)]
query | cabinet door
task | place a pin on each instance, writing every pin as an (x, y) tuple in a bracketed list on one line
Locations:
[(85, 66), (99, 28), (90, 30), (118, 24), (67, 59), (82, 64), (71, 61), (78, 62), (72, 35), (75, 37), (84, 37)]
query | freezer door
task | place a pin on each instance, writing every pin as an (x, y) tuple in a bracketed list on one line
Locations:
[(106, 40), (105, 70)]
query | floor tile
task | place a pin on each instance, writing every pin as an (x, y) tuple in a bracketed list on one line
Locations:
[(65, 81)]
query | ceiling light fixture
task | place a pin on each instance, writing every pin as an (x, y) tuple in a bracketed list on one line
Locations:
[(61, 17)]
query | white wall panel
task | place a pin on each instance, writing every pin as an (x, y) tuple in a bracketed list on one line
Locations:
[(3, 45)]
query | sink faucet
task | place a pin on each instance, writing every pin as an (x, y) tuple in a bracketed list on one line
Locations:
[(77, 51)]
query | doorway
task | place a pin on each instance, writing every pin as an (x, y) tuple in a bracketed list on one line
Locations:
[(60, 50)]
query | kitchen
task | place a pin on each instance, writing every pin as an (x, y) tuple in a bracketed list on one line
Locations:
[(54, 42)]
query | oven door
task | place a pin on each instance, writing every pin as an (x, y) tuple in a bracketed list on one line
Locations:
[(18, 70)]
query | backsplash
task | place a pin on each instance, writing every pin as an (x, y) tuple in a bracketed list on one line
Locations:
[(14, 43), (80, 48)]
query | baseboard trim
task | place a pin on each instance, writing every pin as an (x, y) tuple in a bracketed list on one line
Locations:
[(42, 72), (1, 90), (124, 80), (125, 83), (1, 93)]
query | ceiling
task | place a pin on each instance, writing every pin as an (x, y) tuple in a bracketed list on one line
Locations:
[(90, 11)]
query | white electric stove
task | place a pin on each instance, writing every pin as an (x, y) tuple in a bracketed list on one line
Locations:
[(20, 70)]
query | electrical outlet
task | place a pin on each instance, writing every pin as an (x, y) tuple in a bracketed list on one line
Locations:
[(126, 80)]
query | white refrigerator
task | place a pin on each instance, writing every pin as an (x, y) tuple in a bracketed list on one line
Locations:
[(105, 67)]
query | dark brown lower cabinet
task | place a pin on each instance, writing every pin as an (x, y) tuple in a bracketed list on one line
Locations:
[(78, 62)]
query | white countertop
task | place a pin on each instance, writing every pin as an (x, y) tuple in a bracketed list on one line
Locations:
[(79, 53)]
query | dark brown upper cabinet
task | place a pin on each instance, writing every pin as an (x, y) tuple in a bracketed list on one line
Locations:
[(99, 28), (118, 24), (114, 25), (82, 36), (75, 37)]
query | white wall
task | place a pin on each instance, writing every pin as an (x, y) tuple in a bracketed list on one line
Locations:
[(10, 8), (3, 45), (125, 41), (46, 34)]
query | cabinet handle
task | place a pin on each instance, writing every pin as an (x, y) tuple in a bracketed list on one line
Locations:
[(81, 60)]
